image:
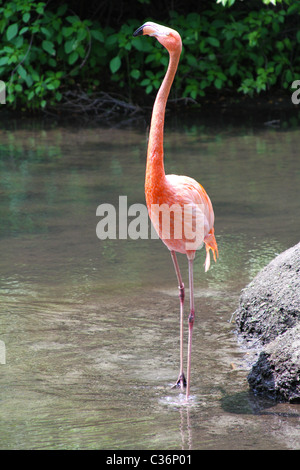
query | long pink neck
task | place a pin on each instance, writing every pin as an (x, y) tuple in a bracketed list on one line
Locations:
[(155, 157)]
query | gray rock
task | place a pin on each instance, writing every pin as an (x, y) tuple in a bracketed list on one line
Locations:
[(269, 310), (276, 374)]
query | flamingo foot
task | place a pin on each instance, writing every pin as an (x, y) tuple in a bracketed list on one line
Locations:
[(181, 382)]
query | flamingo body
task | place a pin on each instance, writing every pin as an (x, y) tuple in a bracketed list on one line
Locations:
[(189, 209), (182, 191)]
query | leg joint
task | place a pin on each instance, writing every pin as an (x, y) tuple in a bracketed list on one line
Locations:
[(181, 292), (192, 317)]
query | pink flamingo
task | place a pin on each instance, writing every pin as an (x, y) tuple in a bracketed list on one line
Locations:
[(177, 193)]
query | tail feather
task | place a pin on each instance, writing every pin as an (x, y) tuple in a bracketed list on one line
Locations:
[(210, 244)]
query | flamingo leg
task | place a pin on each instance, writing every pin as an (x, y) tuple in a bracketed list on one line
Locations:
[(191, 324), (181, 382)]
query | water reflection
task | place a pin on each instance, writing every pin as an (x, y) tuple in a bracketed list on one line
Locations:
[(91, 327), (247, 402)]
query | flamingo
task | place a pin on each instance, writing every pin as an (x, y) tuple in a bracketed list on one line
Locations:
[(186, 198)]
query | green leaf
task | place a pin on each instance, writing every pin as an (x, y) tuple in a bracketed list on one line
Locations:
[(12, 59), (73, 57), (67, 31), (62, 10), (69, 46), (233, 69), (8, 12), (149, 89), (135, 74), (35, 76), (48, 46), (17, 41), (72, 19), (289, 76), (293, 9), (26, 17), (40, 8), (111, 40), (97, 35), (213, 41), (81, 34), (191, 60), (115, 64), (28, 80), (22, 72), (18, 87), (23, 30), (51, 86), (3, 60), (46, 32), (12, 31), (218, 83)]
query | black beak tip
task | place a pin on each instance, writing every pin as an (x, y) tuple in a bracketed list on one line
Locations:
[(139, 31)]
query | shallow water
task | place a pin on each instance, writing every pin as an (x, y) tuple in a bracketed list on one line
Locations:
[(91, 327)]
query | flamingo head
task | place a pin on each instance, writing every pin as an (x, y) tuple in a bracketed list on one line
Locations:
[(168, 37)]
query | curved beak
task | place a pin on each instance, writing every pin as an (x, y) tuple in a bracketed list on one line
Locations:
[(152, 29), (139, 31)]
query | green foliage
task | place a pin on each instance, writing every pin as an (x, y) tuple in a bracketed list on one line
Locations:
[(249, 52), (229, 3), (227, 48), (42, 51)]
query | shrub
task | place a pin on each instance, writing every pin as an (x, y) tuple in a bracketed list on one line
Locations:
[(47, 50), (43, 51)]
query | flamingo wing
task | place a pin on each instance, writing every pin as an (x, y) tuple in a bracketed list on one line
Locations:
[(191, 216)]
